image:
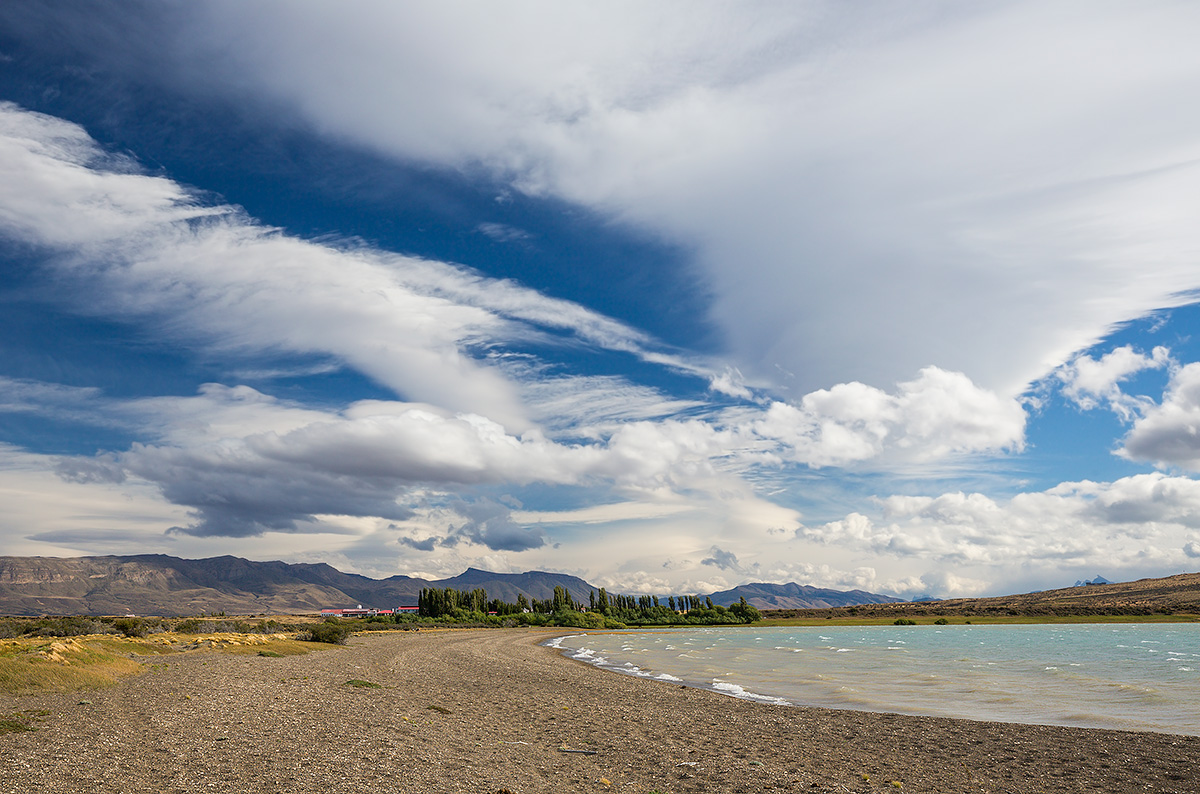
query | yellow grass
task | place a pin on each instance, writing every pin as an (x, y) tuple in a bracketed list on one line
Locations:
[(68, 663), (60, 664)]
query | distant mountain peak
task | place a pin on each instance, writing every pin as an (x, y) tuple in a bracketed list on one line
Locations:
[(1098, 580), (764, 595)]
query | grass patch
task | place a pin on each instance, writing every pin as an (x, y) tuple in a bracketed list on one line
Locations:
[(361, 684), (272, 654), (439, 709), (60, 665), (38, 664), (21, 721)]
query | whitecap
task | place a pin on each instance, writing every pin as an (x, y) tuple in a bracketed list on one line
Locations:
[(558, 641), (740, 692)]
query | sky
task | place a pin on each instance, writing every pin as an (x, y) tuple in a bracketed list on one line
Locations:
[(670, 296)]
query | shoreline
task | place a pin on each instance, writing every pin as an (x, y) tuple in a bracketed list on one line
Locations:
[(606, 658), (495, 710)]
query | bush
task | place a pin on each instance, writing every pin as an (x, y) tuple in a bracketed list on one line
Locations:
[(940, 622), (904, 622), (131, 627), (190, 626), (54, 627), (332, 631)]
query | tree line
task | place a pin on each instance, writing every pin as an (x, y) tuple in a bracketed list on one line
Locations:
[(602, 610)]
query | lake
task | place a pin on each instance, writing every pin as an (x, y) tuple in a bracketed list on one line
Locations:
[(1142, 677)]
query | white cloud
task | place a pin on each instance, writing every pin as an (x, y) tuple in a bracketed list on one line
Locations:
[(1088, 382), (1169, 434), (938, 414), (140, 246), (984, 188), (246, 463), (730, 382), (1134, 526)]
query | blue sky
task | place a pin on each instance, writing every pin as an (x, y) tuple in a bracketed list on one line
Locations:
[(671, 297)]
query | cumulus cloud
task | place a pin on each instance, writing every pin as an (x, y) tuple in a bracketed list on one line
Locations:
[(1138, 525), (1169, 434), (859, 210), (938, 414), (247, 463), (1089, 382)]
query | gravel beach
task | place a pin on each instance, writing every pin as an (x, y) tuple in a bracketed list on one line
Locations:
[(492, 711)]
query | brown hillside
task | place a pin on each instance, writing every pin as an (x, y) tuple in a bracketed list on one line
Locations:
[(1171, 595)]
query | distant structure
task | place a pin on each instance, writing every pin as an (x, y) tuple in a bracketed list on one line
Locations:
[(366, 612)]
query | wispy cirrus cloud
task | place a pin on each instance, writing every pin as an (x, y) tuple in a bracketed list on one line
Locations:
[(143, 247), (858, 209)]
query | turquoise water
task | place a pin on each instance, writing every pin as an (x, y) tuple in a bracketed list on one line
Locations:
[(1133, 677)]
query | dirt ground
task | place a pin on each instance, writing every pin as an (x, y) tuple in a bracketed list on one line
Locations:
[(492, 711)]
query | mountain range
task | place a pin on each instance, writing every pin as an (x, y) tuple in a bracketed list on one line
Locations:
[(157, 584), (798, 596)]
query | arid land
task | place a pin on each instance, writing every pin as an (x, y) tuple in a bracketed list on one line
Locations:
[(493, 711), (1167, 597)]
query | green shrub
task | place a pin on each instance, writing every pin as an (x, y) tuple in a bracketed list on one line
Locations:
[(904, 622), (332, 631), (54, 627), (131, 627), (190, 626)]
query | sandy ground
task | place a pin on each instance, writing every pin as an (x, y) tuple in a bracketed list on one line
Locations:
[(491, 711)]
